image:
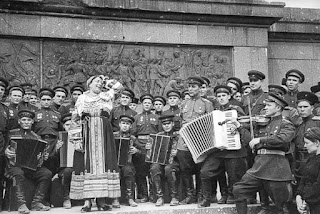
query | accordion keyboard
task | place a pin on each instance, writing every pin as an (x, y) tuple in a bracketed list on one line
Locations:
[(232, 138)]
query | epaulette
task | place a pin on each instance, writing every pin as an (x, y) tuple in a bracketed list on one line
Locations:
[(316, 118), (35, 134), (160, 133), (12, 131), (55, 111), (6, 103), (116, 134)]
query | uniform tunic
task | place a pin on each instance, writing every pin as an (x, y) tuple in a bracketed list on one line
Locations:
[(4, 135), (257, 98), (13, 116), (174, 110), (66, 108), (117, 112), (55, 107), (27, 105), (291, 98)]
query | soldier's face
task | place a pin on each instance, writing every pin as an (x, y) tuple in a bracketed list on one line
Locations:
[(203, 90), (75, 95), (304, 108), (26, 96), (125, 100), (45, 101), (147, 104), (16, 97), (33, 99), (194, 90), (124, 126), (158, 106), (255, 84), (271, 108), (173, 101), (312, 147), (246, 91), (292, 83), (67, 125), (25, 122), (237, 96), (233, 87), (133, 106), (223, 98), (167, 126), (59, 97), (2, 90)]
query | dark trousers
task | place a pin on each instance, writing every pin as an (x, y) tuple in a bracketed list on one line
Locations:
[(314, 209), (65, 175), (142, 171), (279, 191), (42, 177), (213, 167), (127, 174)]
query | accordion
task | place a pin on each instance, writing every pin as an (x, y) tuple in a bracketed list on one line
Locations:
[(66, 150), (29, 152), (206, 133), (160, 149), (123, 147)]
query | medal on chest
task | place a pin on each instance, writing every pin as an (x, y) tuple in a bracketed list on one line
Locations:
[(39, 116)]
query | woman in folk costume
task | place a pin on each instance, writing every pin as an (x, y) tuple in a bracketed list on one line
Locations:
[(101, 178)]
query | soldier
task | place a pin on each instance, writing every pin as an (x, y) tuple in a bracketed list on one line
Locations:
[(60, 94), (123, 109), (133, 105), (42, 176), (4, 119), (15, 97), (316, 90), (245, 89), (257, 95), (145, 124), (173, 97), (204, 90), (231, 161), (25, 103), (157, 170), (47, 125), (235, 84), (128, 171), (271, 170), (294, 78), (158, 103), (34, 98), (191, 109), (75, 91)]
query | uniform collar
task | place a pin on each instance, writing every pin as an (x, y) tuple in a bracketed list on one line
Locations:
[(308, 118), (12, 105), (125, 134), (292, 93), (276, 117), (146, 112), (256, 92), (173, 108)]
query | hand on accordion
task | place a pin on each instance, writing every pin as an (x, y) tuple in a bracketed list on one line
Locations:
[(59, 144), (133, 150), (148, 146), (173, 152), (10, 152)]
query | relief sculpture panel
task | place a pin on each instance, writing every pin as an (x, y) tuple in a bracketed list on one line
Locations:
[(143, 68)]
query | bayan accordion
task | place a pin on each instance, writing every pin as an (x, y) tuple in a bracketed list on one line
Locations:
[(29, 152), (160, 149), (207, 133), (123, 147), (66, 150)]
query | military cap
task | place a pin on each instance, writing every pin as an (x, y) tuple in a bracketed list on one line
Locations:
[(61, 89), (66, 117), (135, 100), (146, 96), (4, 82), (277, 89), (196, 80), (236, 81), (126, 118), (206, 80), (174, 93), (34, 92), (46, 91), (128, 92), (16, 88), (77, 87), (165, 118), (185, 92), (283, 81), (26, 86), (257, 75), (276, 99), (315, 88), (245, 85), (161, 99), (222, 89), (307, 96), (26, 113), (295, 73)]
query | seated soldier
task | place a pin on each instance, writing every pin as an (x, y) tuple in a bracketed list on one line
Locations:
[(127, 171), (156, 170), (42, 176)]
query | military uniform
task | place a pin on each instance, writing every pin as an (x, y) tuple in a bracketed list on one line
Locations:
[(271, 170), (67, 108), (13, 116), (256, 98), (117, 112), (291, 96), (174, 110)]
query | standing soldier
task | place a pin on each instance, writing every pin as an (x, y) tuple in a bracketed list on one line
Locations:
[(316, 90), (271, 170), (257, 95), (193, 108), (25, 103), (158, 103), (173, 101), (75, 91), (15, 97), (245, 89), (60, 94), (204, 90), (235, 84), (123, 109), (133, 105), (47, 125), (294, 78), (145, 124)]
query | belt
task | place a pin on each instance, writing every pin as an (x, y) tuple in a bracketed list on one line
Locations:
[(48, 136), (143, 137), (270, 152)]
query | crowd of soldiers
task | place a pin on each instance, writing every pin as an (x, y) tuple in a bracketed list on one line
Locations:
[(270, 160)]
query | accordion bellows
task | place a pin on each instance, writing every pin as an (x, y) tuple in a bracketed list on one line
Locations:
[(95, 186)]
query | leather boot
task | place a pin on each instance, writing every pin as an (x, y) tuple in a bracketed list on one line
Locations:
[(159, 194), (173, 190), (129, 187), (66, 192), (206, 193), (188, 182), (242, 207), (151, 189), (23, 209), (19, 190), (142, 182), (264, 201), (42, 189)]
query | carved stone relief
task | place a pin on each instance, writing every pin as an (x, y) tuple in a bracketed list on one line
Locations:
[(143, 68)]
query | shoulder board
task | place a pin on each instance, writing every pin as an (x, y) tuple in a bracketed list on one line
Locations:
[(316, 118), (6, 104), (206, 100), (116, 134), (55, 111), (160, 133), (14, 130), (133, 137), (286, 120), (35, 134)]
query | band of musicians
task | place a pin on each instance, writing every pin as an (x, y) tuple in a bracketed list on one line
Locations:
[(109, 148)]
